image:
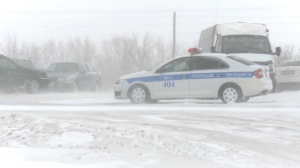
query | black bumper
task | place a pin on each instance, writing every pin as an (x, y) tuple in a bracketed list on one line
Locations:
[(61, 86), (44, 82), (293, 86)]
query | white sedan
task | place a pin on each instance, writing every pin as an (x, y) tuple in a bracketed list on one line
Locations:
[(197, 76), (288, 76)]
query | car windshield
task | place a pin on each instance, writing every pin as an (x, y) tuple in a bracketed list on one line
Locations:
[(290, 63), (245, 44), (27, 64), (19, 62), (64, 67)]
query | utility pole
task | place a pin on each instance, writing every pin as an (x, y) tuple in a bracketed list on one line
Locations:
[(174, 34), (216, 19)]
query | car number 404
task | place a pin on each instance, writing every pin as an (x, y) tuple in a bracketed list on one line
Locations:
[(169, 84)]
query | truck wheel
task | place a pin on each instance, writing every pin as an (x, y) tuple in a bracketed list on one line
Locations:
[(139, 94), (231, 94)]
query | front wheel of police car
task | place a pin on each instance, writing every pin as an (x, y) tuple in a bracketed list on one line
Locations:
[(139, 94), (231, 94)]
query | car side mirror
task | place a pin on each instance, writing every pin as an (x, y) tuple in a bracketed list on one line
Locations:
[(278, 51), (213, 49)]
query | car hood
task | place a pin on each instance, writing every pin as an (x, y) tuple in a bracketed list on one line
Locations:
[(255, 57), (55, 75), (33, 71), (138, 74)]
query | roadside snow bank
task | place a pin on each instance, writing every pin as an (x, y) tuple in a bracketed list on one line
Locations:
[(180, 141)]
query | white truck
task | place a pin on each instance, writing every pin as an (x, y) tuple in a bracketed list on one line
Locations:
[(246, 40)]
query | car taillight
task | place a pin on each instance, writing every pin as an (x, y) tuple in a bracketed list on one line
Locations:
[(259, 73)]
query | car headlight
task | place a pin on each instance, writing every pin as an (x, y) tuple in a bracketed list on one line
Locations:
[(120, 81)]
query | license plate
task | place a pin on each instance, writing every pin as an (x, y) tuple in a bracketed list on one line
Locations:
[(289, 72)]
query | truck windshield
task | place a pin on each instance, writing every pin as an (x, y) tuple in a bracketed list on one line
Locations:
[(245, 44)]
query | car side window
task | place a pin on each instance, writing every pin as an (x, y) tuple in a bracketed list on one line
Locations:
[(206, 63), (178, 65), (6, 64), (223, 65)]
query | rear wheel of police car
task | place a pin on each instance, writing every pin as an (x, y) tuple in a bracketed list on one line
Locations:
[(231, 94), (139, 94), (32, 86)]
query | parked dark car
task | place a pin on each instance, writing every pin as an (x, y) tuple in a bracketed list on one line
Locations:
[(71, 76), (14, 76)]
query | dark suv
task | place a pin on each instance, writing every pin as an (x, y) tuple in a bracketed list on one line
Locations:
[(71, 76), (14, 76)]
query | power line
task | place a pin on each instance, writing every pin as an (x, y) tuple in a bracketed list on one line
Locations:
[(133, 25), (164, 33), (153, 11), (82, 20), (84, 26), (126, 19)]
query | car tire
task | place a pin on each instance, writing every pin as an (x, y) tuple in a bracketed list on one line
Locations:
[(139, 94), (32, 86), (231, 94)]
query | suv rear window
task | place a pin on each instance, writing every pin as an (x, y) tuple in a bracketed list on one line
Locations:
[(291, 63), (241, 60)]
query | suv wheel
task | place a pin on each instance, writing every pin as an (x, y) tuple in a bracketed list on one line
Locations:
[(32, 86)]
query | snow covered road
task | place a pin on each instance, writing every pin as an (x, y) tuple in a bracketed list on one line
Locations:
[(89, 130)]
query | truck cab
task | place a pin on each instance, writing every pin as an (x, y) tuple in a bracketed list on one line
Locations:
[(246, 40)]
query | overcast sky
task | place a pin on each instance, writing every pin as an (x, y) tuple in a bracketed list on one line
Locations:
[(39, 20)]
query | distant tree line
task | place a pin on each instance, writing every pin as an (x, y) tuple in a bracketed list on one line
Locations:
[(114, 58)]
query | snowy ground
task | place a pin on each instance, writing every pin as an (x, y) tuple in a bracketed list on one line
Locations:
[(95, 130)]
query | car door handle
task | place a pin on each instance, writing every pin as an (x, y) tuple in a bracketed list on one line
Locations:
[(218, 75), (184, 76)]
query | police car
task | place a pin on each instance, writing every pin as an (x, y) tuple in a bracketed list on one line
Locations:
[(197, 76)]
